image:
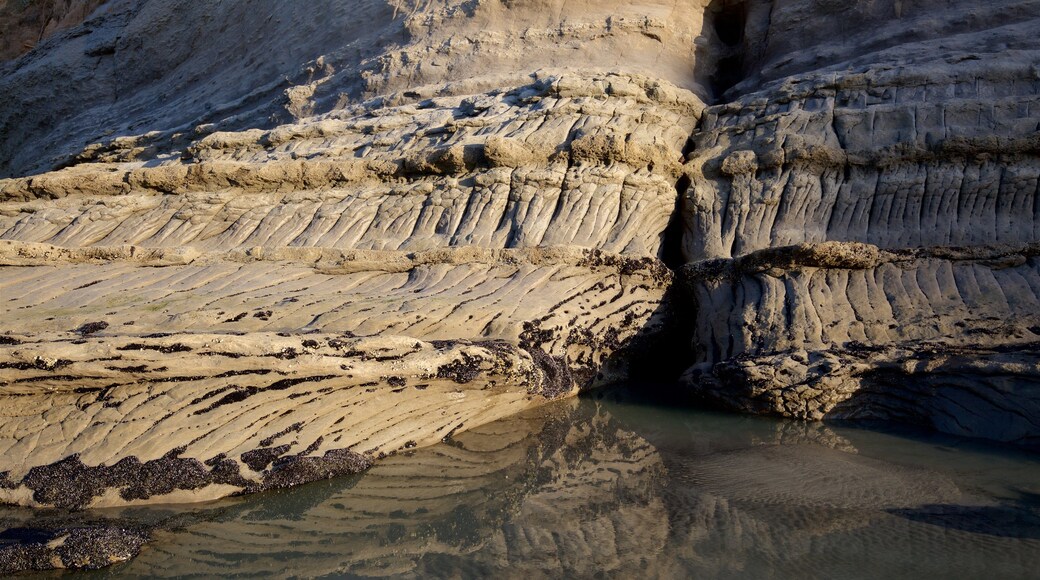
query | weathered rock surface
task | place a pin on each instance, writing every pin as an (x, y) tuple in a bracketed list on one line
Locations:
[(247, 271), (254, 244), (943, 338), (862, 216), (263, 364), (25, 23)]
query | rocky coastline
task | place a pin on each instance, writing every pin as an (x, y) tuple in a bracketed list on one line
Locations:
[(365, 229)]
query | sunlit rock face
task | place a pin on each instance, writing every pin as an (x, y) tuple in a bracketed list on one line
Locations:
[(862, 216), (254, 244)]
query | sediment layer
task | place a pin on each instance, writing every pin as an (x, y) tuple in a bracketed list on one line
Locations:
[(861, 223), (479, 199), (240, 373), (401, 227), (946, 338)]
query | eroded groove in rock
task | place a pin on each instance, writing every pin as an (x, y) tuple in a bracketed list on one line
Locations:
[(329, 57), (571, 160), (174, 437), (261, 373)]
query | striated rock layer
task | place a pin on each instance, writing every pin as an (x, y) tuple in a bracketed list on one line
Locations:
[(863, 216), (273, 373), (367, 227), (948, 339), (256, 243)]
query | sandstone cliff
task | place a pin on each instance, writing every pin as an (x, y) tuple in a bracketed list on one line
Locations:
[(342, 231), (256, 243)]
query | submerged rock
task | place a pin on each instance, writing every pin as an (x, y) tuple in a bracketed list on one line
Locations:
[(83, 548)]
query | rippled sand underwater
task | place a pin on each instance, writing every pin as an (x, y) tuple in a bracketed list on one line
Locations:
[(607, 488)]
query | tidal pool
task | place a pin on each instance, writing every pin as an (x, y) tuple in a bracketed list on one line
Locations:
[(609, 486)]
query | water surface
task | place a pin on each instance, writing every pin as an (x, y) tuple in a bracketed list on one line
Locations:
[(602, 487)]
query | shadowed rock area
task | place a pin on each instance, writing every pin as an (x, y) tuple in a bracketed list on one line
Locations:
[(25, 23), (862, 216)]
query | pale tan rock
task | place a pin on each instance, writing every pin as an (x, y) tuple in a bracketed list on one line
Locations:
[(484, 185), (497, 181)]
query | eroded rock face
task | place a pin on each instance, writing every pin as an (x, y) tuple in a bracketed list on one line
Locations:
[(151, 77), (917, 136), (941, 338), (24, 23), (367, 227), (262, 243), (307, 362)]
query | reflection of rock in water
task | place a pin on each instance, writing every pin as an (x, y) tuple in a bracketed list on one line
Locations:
[(584, 487), (564, 492), (717, 537), (801, 476), (821, 510)]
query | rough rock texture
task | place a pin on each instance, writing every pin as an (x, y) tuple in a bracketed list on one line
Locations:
[(255, 243), (80, 547), (262, 362), (24, 23), (948, 339), (150, 77), (914, 143), (340, 231)]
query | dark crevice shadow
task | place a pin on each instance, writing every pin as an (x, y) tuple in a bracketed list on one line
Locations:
[(721, 60), (730, 50), (672, 240)]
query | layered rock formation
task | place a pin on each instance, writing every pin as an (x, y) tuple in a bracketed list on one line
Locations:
[(863, 219), (259, 243), (418, 221)]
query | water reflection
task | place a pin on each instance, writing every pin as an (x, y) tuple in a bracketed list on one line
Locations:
[(601, 488)]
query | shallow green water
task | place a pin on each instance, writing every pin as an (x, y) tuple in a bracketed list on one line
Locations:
[(606, 488)]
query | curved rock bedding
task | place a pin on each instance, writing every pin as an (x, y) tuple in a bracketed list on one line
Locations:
[(256, 244), (337, 264), (269, 371)]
